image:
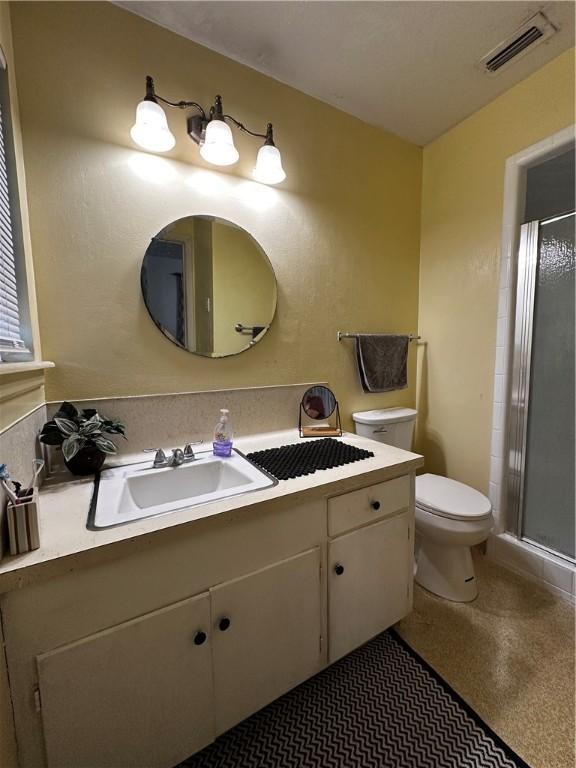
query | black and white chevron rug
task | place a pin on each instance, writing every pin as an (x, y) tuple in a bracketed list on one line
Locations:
[(380, 707)]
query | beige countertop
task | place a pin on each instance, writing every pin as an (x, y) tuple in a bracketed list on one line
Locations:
[(67, 544)]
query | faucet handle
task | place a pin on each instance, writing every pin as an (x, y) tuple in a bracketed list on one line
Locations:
[(160, 457), (189, 451)]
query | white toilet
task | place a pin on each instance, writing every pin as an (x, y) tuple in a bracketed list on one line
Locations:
[(450, 517)]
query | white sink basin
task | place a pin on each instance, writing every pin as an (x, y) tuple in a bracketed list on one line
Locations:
[(134, 492)]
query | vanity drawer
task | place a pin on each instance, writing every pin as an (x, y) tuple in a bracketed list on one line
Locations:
[(351, 510)]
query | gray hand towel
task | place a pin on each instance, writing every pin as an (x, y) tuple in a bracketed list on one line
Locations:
[(382, 361)]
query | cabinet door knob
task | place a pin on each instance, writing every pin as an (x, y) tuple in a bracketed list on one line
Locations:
[(338, 569), (224, 623), (375, 505), (200, 638)]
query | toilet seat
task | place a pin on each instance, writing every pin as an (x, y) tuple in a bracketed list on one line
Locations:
[(451, 499)]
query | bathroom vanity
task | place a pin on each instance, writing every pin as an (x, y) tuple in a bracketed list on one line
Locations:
[(138, 645)]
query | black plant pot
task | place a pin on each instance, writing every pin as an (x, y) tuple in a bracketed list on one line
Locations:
[(87, 461)]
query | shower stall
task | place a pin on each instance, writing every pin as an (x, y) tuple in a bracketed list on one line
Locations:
[(532, 451), (541, 456)]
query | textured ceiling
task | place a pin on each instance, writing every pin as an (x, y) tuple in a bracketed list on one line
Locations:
[(407, 67)]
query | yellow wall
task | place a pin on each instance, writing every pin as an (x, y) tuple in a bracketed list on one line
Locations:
[(342, 233), (462, 204), (244, 287), (19, 393)]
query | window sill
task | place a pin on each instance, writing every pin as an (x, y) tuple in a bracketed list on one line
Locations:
[(33, 365)]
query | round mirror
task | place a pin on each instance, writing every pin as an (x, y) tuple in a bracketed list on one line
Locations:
[(318, 403), (208, 286)]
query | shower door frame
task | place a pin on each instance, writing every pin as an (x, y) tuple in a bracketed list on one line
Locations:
[(520, 382), (527, 266)]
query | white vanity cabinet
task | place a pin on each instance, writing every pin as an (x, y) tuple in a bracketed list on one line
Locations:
[(154, 690), (145, 658)]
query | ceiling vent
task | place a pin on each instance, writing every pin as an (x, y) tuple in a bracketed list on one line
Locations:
[(534, 31)]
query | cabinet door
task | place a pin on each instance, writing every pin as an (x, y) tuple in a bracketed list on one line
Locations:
[(139, 694), (369, 582), (266, 635)]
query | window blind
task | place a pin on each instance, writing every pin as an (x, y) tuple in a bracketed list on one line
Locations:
[(10, 312)]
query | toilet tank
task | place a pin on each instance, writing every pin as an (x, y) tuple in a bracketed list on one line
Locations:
[(394, 426)]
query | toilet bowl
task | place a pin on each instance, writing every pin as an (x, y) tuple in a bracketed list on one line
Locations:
[(450, 517)]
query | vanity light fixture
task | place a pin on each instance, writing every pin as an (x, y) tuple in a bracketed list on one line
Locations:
[(210, 131)]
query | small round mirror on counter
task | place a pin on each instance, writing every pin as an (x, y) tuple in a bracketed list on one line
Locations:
[(208, 286), (318, 403)]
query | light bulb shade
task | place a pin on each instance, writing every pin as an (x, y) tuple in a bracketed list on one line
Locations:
[(268, 168), (218, 147), (150, 131)]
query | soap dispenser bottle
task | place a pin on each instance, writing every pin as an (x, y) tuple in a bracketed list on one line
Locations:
[(222, 444)]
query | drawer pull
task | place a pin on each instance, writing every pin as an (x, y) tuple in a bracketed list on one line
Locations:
[(338, 569), (200, 638), (375, 505), (224, 624)]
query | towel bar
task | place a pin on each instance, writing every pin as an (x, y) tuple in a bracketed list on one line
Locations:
[(343, 335)]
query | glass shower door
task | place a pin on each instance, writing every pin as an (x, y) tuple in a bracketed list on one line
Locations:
[(541, 471)]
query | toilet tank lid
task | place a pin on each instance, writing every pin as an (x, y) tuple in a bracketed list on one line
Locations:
[(449, 498), (385, 416)]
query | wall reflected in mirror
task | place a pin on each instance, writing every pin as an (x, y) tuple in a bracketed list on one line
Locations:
[(208, 286)]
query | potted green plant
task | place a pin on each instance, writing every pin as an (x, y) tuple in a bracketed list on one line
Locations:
[(82, 436)]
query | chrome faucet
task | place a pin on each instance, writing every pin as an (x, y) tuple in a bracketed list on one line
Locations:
[(177, 458), (160, 459), (189, 451)]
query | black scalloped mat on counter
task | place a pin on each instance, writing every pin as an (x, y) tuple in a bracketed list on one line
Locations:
[(290, 461)]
